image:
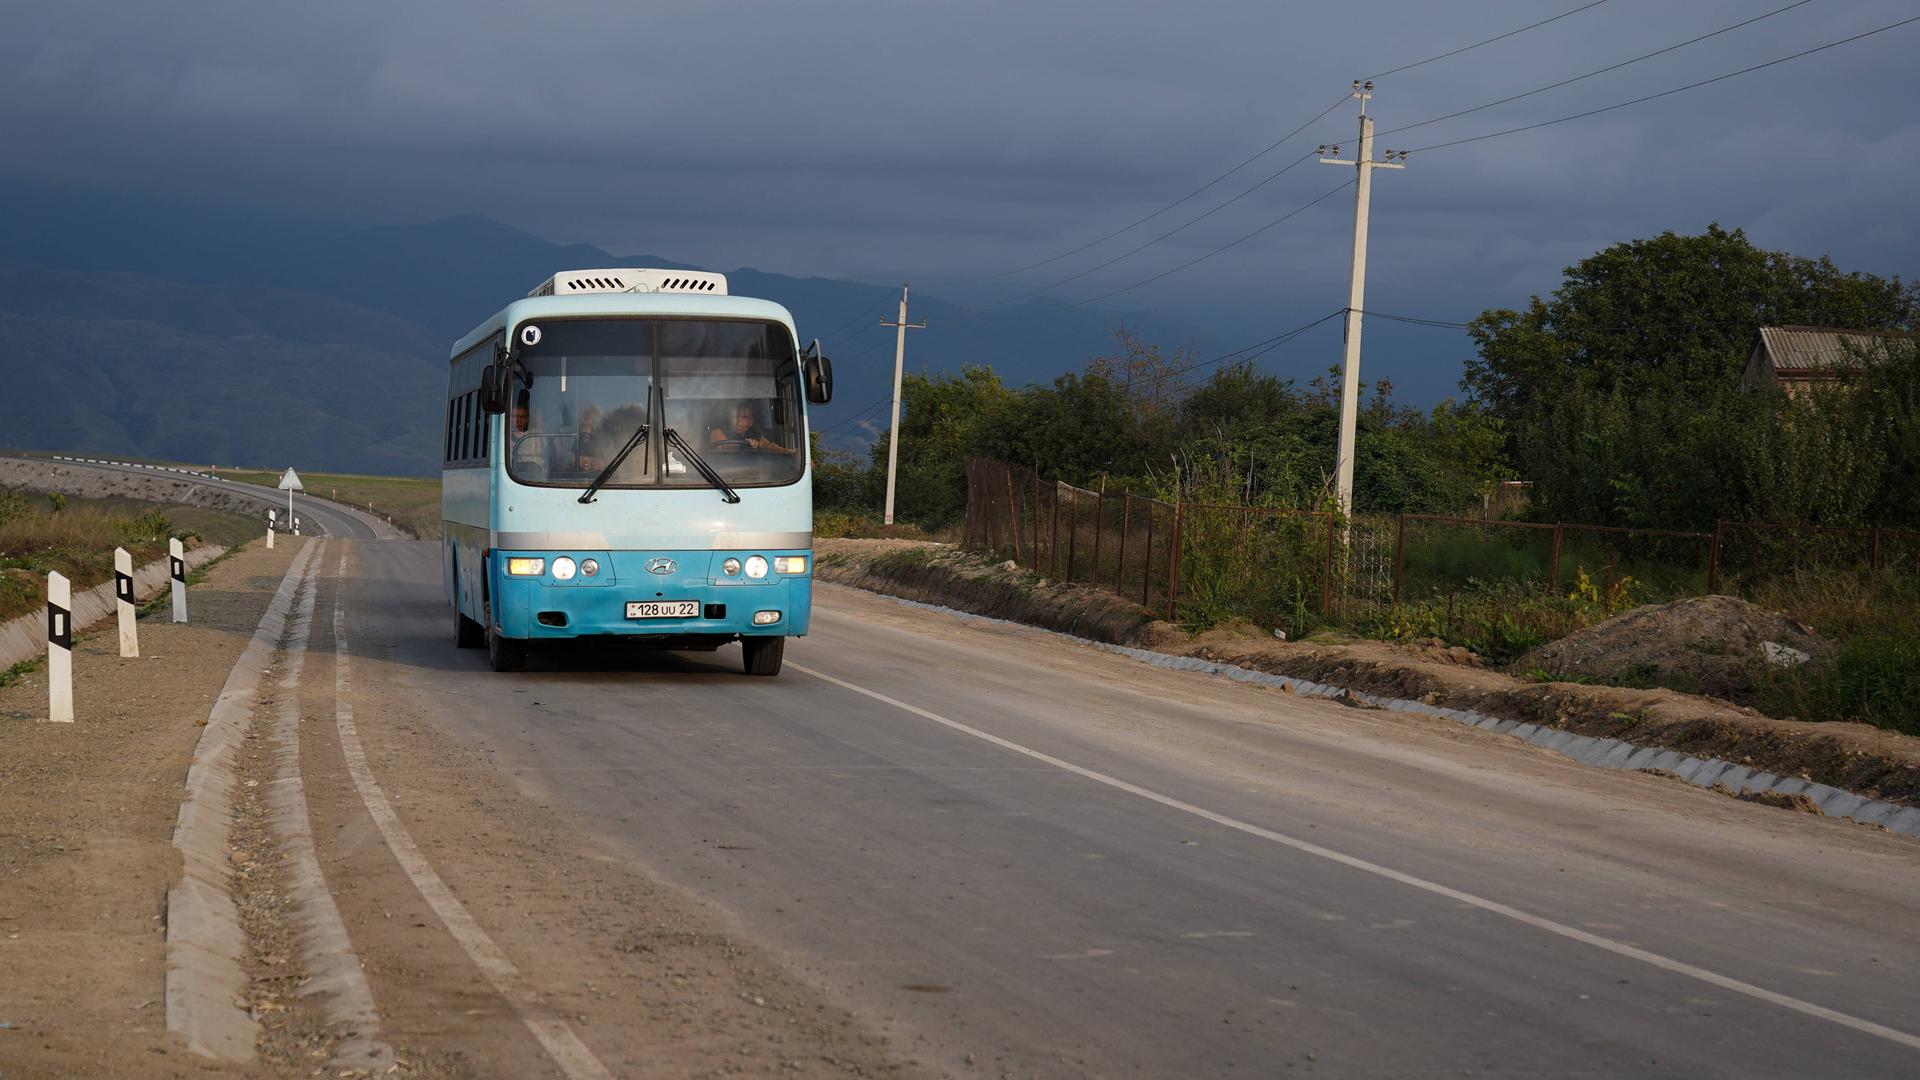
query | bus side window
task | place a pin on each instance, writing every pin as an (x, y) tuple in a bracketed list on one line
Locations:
[(449, 439)]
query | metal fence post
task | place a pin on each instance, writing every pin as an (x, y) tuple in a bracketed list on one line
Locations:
[(1713, 558), (1146, 562), (1873, 552), (1326, 574), (1053, 544), (1099, 526), (1399, 559), (1559, 533), (1173, 565), (1034, 520), (1073, 528), (1013, 510), (1126, 522)]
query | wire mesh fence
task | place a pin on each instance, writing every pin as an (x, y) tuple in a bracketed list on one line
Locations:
[(1206, 562)]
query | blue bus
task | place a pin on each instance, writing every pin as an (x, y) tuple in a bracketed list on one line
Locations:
[(627, 458)]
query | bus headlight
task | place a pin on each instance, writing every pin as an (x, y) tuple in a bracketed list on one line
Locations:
[(730, 567), (589, 567), (526, 567), (563, 568), (789, 564), (765, 618), (756, 566)]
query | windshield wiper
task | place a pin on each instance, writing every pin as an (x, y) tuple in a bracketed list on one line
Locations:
[(706, 470), (637, 438)]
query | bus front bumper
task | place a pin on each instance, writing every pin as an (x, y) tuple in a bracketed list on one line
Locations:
[(627, 597)]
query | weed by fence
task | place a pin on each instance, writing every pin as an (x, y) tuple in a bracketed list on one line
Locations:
[(1204, 563)]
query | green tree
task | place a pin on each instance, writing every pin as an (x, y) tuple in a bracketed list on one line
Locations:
[(1619, 396), (940, 421)]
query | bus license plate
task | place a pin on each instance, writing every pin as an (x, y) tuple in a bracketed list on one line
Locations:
[(663, 609)]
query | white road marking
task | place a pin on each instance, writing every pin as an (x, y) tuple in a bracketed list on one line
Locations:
[(1758, 993), (561, 1044)]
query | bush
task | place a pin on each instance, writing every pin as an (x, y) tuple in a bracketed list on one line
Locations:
[(1875, 680)]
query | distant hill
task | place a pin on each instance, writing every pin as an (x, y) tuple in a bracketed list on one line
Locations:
[(201, 332)]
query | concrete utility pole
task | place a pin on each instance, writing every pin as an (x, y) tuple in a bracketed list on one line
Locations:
[(901, 326), (1356, 286)]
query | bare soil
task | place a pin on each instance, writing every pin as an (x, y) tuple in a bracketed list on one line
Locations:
[(86, 829), (1707, 644), (1855, 757)]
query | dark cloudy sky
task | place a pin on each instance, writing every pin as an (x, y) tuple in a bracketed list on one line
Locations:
[(940, 141)]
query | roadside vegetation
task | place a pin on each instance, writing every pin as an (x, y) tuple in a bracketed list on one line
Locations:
[(1618, 401), (76, 537), (412, 502)]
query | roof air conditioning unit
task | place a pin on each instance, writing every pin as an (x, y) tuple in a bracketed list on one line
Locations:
[(578, 282)]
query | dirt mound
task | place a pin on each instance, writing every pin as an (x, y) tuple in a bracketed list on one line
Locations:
[(1706, 645)]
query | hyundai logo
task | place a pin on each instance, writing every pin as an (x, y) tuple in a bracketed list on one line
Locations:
[(662, 565)]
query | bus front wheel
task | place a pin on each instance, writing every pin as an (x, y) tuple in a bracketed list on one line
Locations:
[(504, 653), (762, 655)]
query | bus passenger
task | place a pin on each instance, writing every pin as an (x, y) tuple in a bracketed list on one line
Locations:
[(588, 455), (529, 449), (742, 433)]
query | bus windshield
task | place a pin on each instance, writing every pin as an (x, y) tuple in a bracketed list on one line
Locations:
[(729, 389)]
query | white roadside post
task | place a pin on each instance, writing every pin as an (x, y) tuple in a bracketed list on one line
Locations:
[(123, 602), (59, 648), (270, 514), (177, 563), (296, 525)]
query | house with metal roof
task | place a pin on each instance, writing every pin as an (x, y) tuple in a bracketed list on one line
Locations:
[(1798, 358)]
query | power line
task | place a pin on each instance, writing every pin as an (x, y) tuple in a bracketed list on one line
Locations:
[(862, 317), (1251, 352), (1576, 326), (1489, 41), (1667, 93), (1216, 251), (1600, 71), (1142, 247), (856, 417), (1271, 147)]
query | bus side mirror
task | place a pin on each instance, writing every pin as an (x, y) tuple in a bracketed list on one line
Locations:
[(819, 380), (493, 396)]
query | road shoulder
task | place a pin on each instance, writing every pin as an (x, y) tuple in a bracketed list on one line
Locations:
[(87, 813)]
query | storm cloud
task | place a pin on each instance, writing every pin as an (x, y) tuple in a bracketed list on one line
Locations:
[(942, 142)]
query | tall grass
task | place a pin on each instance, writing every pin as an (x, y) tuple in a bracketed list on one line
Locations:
[(36, 538), (1875, 679)]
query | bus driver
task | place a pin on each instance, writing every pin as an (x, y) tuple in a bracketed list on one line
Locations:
[(742, 433)]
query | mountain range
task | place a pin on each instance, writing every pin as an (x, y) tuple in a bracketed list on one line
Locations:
[(234, 335)]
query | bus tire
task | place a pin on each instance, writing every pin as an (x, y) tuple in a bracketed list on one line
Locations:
[(504, 653), (762, 655), (467, 634)]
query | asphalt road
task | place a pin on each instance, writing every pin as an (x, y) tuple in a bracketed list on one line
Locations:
[(1029, 858), (320, 517)]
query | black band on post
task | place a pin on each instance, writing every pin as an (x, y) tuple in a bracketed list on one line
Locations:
[(179, 569), (59, 626), (123, 586)]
